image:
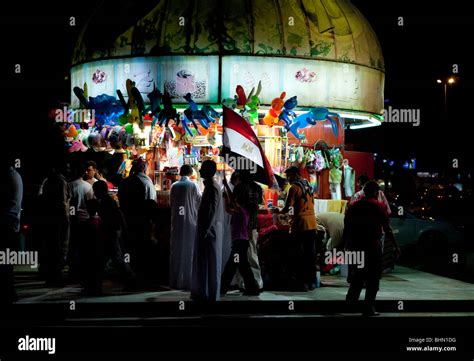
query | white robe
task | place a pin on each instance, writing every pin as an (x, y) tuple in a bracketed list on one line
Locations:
[(185, 198), (207, 265)]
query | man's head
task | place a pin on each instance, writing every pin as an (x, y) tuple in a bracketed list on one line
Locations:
[(371, 190), (138, 166), (186, 170), (208, 169), (362, 180), (292, 173), (100, 189), (91, 170)]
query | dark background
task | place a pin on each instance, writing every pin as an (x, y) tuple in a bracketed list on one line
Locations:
[(434, 37)]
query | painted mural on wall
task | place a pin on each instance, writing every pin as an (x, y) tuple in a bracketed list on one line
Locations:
[(314, 29), (177, 75), (315, 83)]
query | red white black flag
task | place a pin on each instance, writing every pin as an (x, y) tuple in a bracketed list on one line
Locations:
[(242, 150)]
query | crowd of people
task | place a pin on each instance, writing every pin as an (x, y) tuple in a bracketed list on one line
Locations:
[(84, 227)]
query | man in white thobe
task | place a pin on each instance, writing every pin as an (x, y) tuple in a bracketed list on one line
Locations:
[(185, 197)]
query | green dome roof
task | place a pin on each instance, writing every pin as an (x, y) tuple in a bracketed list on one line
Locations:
[(312, 29)]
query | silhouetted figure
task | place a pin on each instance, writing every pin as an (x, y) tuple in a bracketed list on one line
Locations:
[(207, 257), (113, 230), (81, 192), (136, 195), (364, 223), (238, 258), (56, 195), (303, 236), (11, 195), (251, 196), (93, 251)]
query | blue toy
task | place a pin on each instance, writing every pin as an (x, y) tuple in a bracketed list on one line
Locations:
[(317, 114), (107, 109), (204, 116), (287, 114), (155, 100), (188, 119)]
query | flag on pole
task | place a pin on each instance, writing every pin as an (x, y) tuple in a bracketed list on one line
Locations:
[(242, 150)]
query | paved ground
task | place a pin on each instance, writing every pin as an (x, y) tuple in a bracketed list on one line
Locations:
[(403, 284)]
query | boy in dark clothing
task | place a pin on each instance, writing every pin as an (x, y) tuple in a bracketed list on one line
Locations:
[(113, 229)]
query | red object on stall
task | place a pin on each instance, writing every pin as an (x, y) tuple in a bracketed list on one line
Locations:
[(362, 163)]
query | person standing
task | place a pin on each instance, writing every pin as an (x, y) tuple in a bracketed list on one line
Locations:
[(364, 223), (251, 196), (11, 195), (185, 197), (303, 230), (361, 182), (113, 230), (136, 193), (56, 196), (207, 258), (390, 247), (238, 258), (81, 192)]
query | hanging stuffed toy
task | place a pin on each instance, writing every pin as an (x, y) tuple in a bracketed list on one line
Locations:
[(253, 103), (168, 112), (287, 114), (155, 98), (247, 106), (319, 162), (272, 116), (204, 116), (335, 173), (316, 114), (134, 115)]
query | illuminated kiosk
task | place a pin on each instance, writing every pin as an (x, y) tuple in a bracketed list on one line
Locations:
[(322, 51)]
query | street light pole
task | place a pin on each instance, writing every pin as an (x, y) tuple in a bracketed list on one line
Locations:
[(446, 99), (445, 82)]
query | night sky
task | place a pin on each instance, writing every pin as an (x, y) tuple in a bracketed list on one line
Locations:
[(433, 38)]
